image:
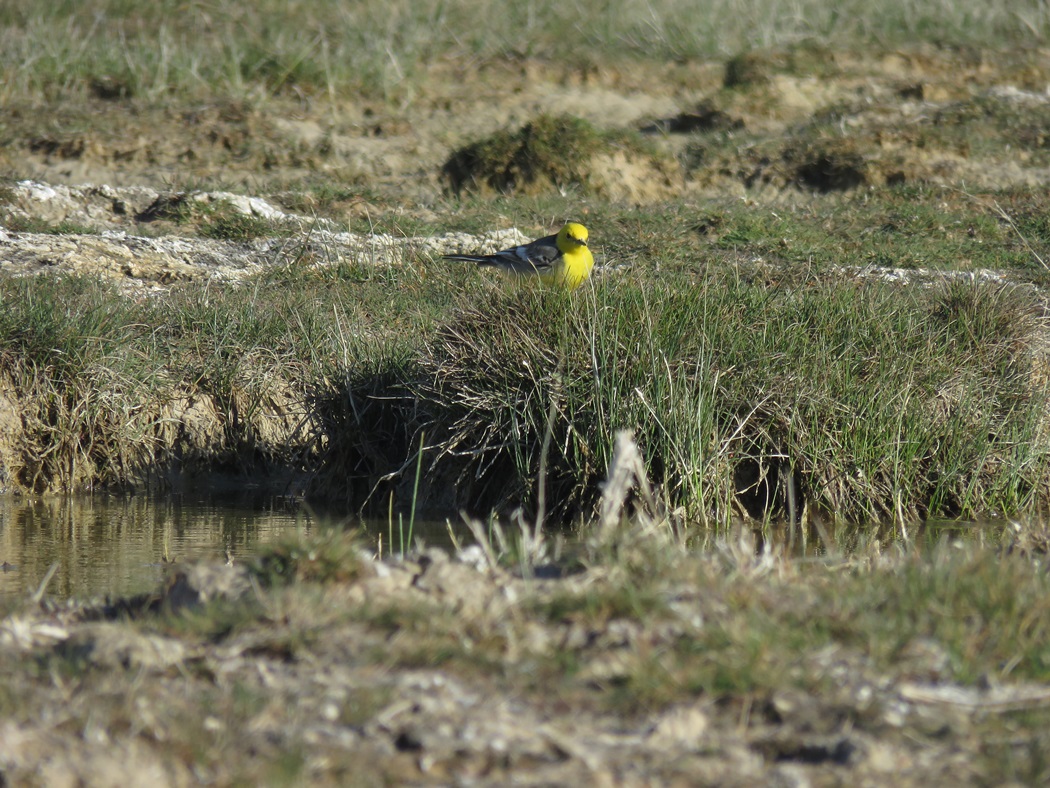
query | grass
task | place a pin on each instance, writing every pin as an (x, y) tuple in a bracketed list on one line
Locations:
[(31, 225), (80, 333), (115, 49), (110, 384), (331, 557), (870, 400), (221, 221), (909, 226)]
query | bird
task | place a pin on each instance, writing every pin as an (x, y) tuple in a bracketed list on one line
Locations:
[(562, 259)]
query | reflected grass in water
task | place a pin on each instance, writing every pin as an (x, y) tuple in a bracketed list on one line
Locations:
[(119, 546)]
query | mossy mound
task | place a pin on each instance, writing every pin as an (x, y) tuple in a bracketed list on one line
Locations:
[(759, 67), (555, 153)]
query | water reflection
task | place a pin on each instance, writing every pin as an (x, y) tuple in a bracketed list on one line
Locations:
[(118, 546), (826, 538)]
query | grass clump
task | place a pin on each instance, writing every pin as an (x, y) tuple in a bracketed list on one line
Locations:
[(232, 225), (213, 218), (550, 153), (332, 556), (69, 350), (783, 395), (866, 400), (113, 390), (758, 67)]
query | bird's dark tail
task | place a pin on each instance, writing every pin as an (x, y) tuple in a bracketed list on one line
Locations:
[(469, 258)]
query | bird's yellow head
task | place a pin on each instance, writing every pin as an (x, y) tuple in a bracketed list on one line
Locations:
[(573, 233)]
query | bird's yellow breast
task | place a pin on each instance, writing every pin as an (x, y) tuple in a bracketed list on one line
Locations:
[(576, 260)]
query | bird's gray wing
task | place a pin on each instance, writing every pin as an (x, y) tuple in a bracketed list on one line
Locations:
[(536, 257)]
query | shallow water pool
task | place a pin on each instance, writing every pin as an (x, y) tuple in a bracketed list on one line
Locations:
[(117, 546)]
